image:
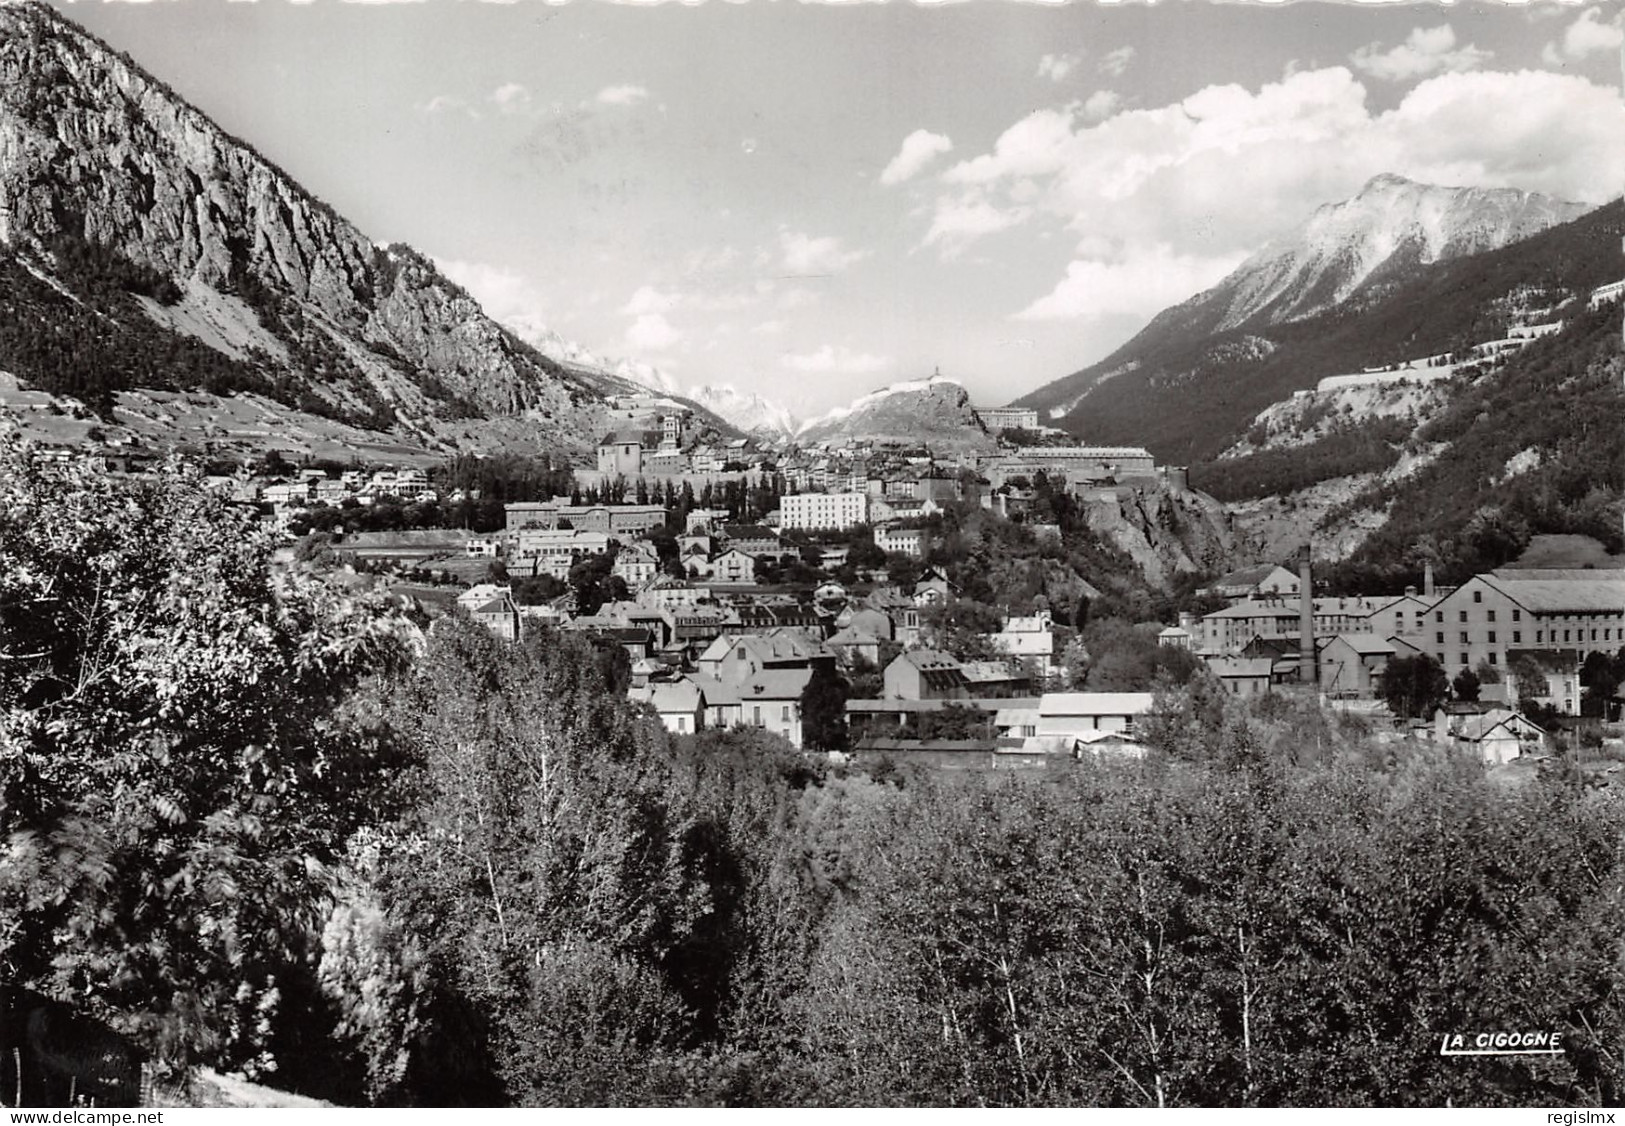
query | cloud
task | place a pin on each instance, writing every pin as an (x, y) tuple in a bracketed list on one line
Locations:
[(1226, 168), (448, 103), (1116, 62), (1588, 35), (768, 328), (1192, 185), (502, 293), (622, 95), (1425, 51), (651, 332), (834, 361), (919, 149), (1141, 286), (957, 222), (1057, 67), (647, 299), (804, 254), (511, 98), (1101, 105)]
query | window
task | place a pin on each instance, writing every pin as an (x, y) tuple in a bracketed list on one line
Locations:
[(1462, 616), (1489, 615), (1464, 640), (682, 724), (1439, 637), (1493, 661), (1540, 635), (1464, 660), (1517, 616), (784, 713), (1565, 635), (756, 714), (1492, 637), (1517, 637), (1478, 596), (1438, 615)]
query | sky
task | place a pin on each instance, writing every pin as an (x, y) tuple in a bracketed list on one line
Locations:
[(809, 201)]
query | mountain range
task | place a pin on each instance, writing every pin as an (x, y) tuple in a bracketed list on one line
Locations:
[(1240, 345)]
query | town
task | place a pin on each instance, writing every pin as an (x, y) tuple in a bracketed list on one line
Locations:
[(748, 584)]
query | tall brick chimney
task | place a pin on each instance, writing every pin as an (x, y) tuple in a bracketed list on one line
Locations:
[(1307, 671)]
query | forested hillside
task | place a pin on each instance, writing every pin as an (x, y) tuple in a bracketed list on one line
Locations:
[(263, 823)]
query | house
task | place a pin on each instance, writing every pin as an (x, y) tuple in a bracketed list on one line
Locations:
[(1073, 713), (636, 564), (925, 674), (997, 680), (901, 541), (1030, 640), (732, 566), (1495, 736), (1260, 581), (1242, 676), (769, 699), (500, 616), (691, 627), (481, 593), (1549, 676), (680, 704), (853, 643), (482, 547), (1175, 638), (735, 657), (664, 592), (753, 539), (1352, 664)]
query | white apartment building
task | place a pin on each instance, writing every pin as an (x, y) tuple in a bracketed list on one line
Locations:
[(833, 511)]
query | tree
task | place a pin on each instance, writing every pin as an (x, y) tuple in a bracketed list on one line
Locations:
[(823, 710), (177, 771), (1413, 687), (1465, 687)]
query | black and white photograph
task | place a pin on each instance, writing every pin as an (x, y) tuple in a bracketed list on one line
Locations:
[(775, 554)]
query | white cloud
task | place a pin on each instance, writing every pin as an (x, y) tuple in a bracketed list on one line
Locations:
[(1425, 51), (1589, 34), (1116, 62), (647, 299), (768, 328), (1195, 184), (1227, 167), (502, 293), (1057, 67), (1101, 104), (834, 361), (919, 149), (804, 254), (622, 95), (957, 222), (448, 103), (651, 332), (1141, 286), (511, 98)]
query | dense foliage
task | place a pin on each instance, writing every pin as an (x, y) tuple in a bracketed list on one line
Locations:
[(1368, 446), (1557, 404)]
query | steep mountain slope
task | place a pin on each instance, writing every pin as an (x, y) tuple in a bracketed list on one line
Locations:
[(127, 218), (1393, 224), (1379, 279), (934, 411)]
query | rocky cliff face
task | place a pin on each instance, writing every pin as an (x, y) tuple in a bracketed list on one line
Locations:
[(1167, 530), (95, 151), (935, 412)]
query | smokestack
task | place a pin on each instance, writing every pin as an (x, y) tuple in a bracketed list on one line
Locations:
[(1427, 579), (1306, 620)]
